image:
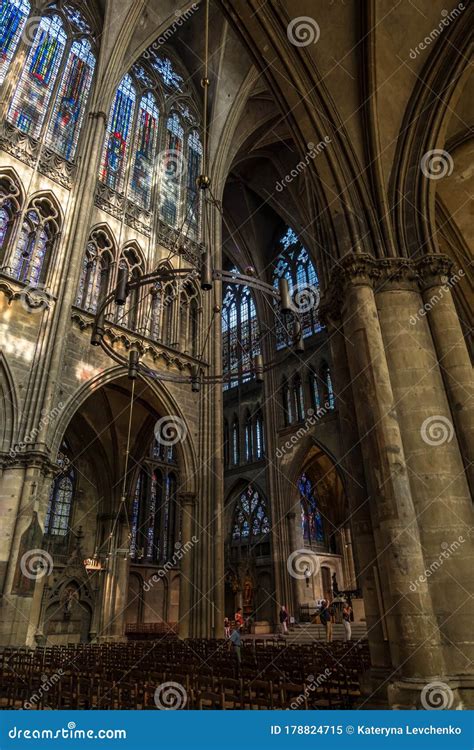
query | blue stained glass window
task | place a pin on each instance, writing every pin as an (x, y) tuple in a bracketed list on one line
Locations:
[(114, 158), (145, 147), (30, 102), (71, 100), (60, 498), (240, 334), (31, 250), (172, 167), (76, 18), (250, 520), (169, 76), (13, 15), (5, 222), (294, 264), (259, 436), (192, 207), (311, 520)]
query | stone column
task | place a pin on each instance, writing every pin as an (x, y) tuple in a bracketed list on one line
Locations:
[(412, 626), (437, 278), (438, 485), (115, 586), (296, 583), (360, 512), (186, 593), (349, 569)]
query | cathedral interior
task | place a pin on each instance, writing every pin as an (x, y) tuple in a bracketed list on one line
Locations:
[(236, 296)]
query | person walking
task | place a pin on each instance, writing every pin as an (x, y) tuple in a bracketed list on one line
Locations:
[(226, 627), (346, 619), (284, 617)]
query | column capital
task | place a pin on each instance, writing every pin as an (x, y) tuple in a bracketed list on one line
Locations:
[(187, 498), (435, 270)]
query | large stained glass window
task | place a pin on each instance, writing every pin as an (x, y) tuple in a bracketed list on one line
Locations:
[(117, 140), (192, 207), (240, 334), (70, 104), (295, 265), (250, 521), (144, 152), (155, 523), (311, 521), (13, 15), (30, 102), (172, 166)]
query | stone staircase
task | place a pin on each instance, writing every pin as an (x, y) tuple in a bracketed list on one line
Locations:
[(308, 633)]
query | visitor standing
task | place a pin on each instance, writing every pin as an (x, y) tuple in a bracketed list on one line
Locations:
[(346, 619), (284, 617)]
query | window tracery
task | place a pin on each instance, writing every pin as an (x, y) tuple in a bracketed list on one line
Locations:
[(240, 334), (311, 520), (250, 520)]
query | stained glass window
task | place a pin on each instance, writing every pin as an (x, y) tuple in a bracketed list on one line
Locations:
[(327, 387), (94, 280), (235, 442), (298, 398), (248, 438), (169, 76), (172, 168), (33, 92), (315, 391), (287, 402), (5, 226), (13, 15), (192, 207), (71, 100), (259, 444), (144, 151), (240, 334), (60, 498), (117, 139), (294, 264), (76, 18), (31, 250), (250, 521), (155, 528), (311, 520)]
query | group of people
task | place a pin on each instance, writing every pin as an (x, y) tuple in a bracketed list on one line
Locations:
[(326, 618)]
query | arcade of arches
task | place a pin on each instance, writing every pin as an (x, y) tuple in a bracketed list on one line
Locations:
[(339, 164)]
